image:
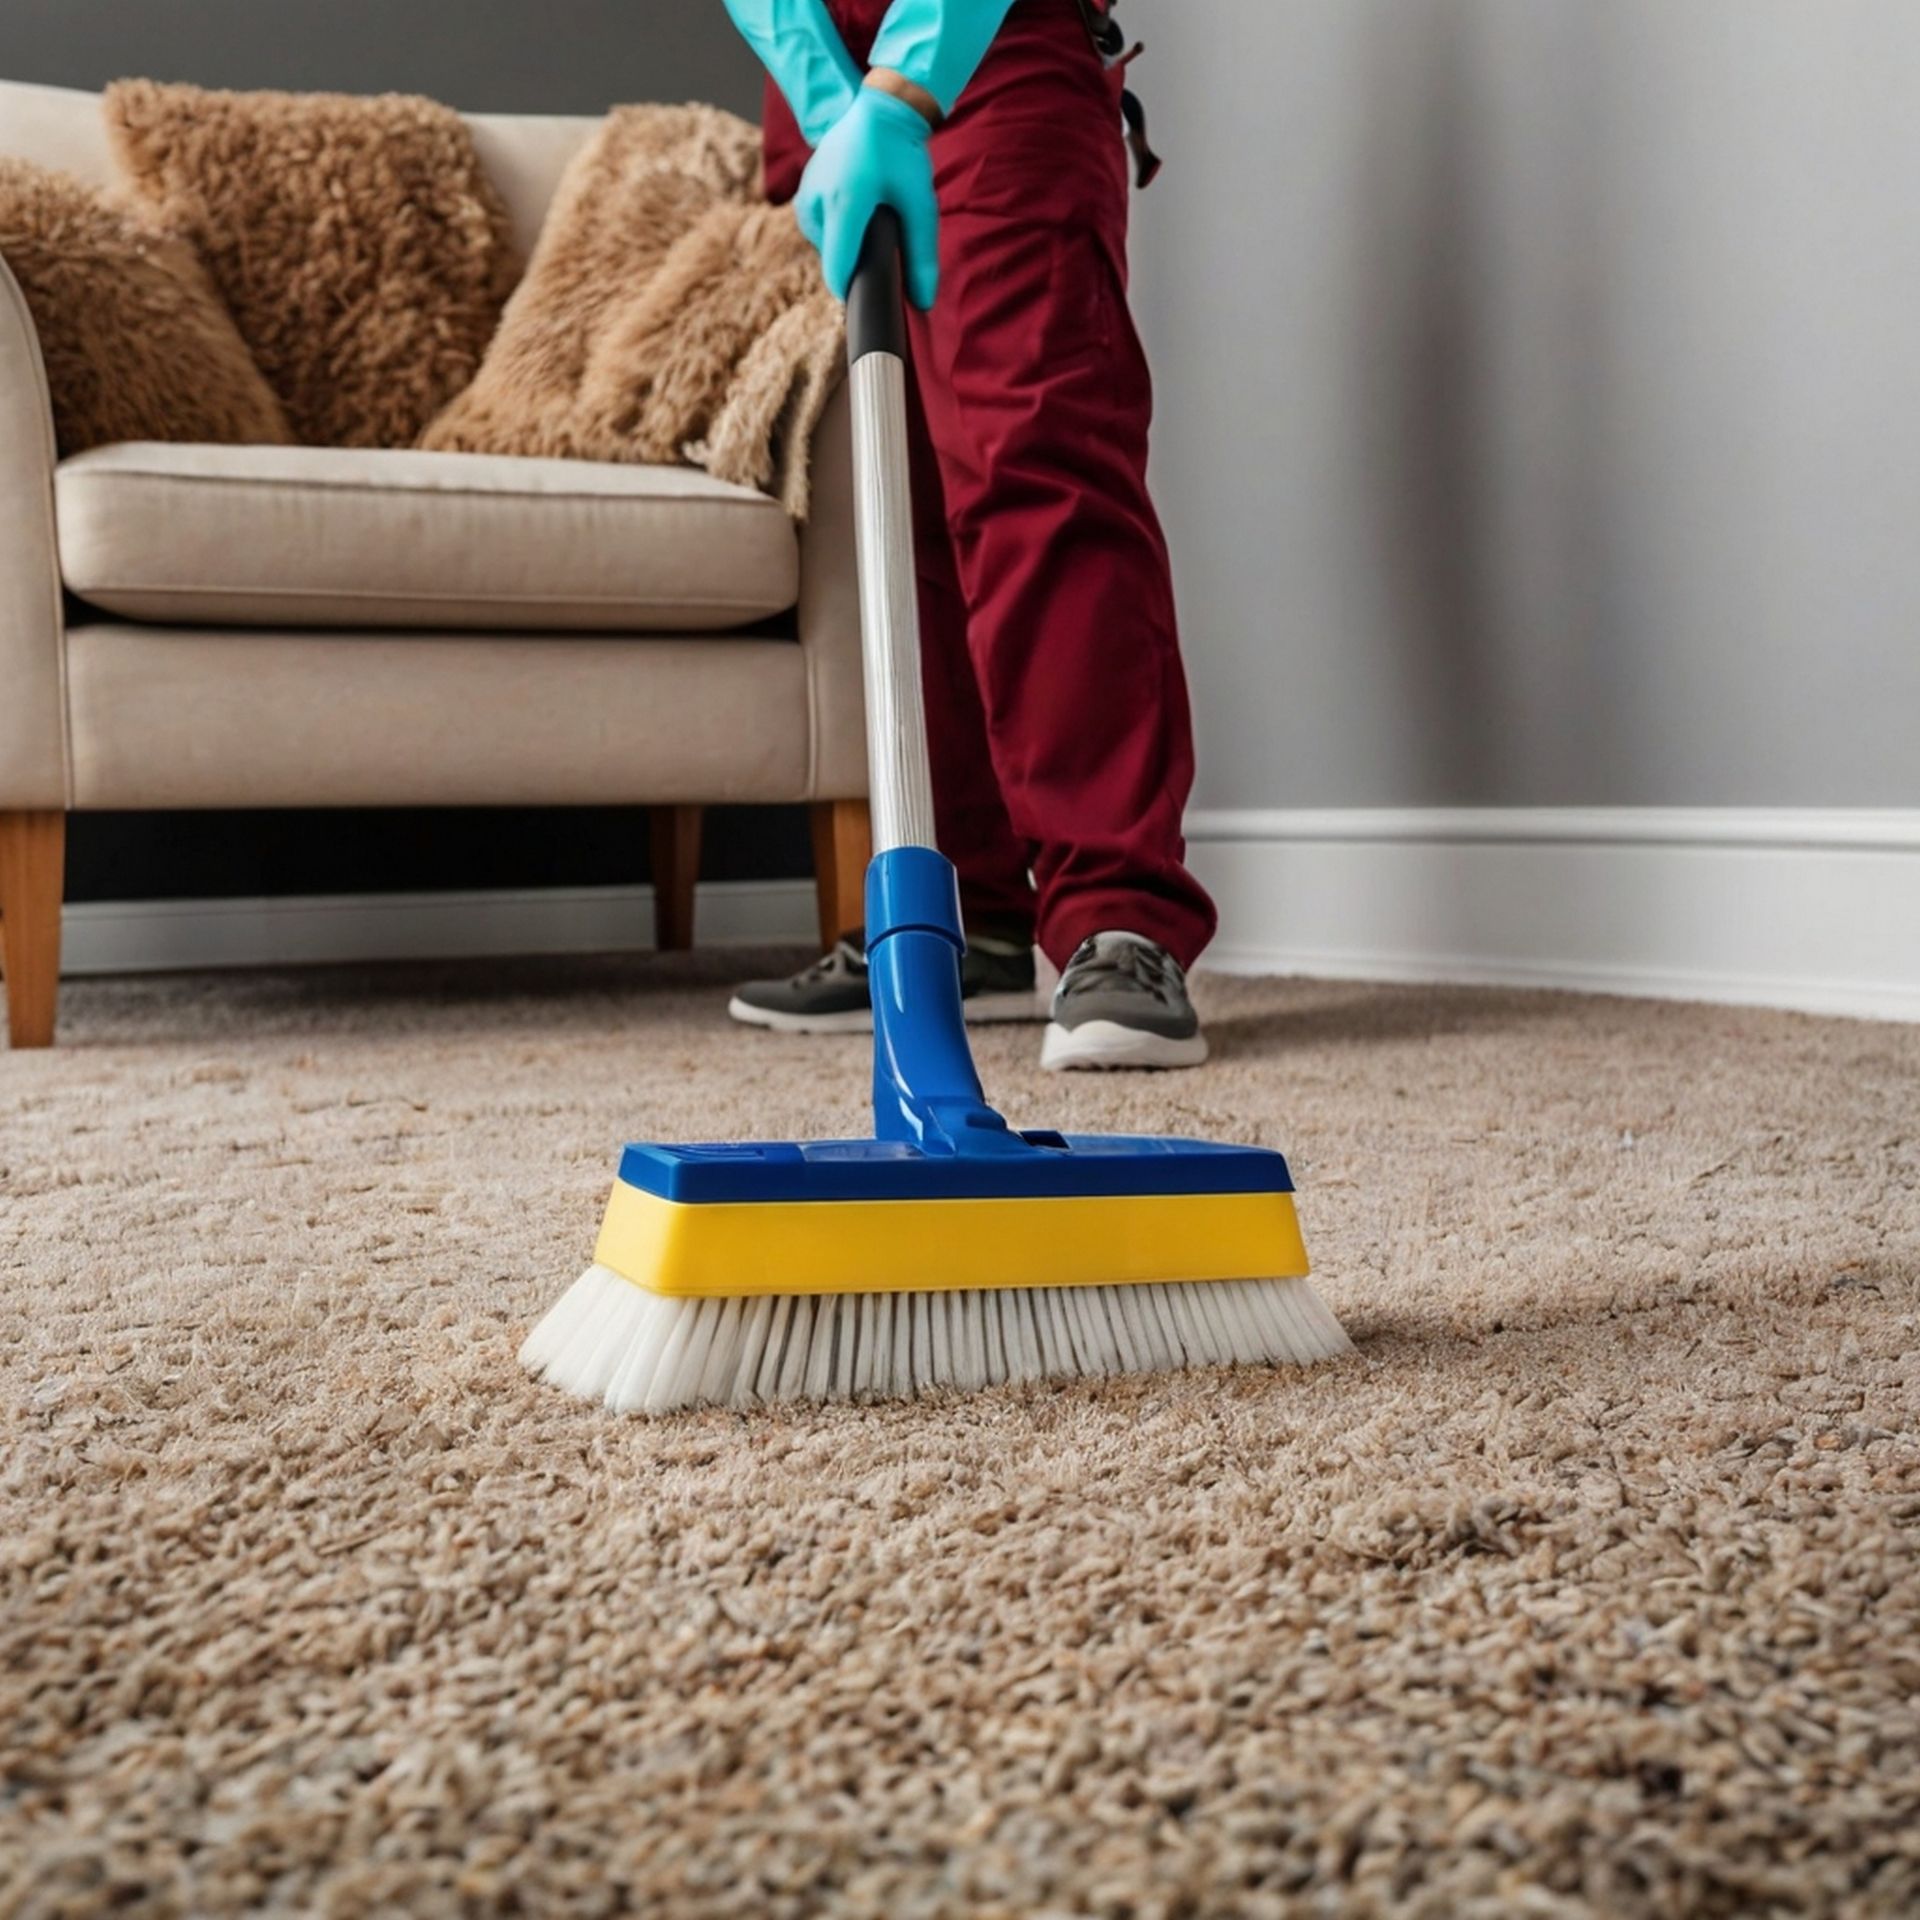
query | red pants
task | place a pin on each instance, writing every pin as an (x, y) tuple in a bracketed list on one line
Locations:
[(1059, 727)]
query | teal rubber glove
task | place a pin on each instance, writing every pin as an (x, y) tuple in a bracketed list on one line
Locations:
[(870, 149), (875, 156), (938, 44), (797, 44)]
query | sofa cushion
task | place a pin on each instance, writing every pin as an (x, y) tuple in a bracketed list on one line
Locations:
[(349, 537), (524, 155), (56, 127)]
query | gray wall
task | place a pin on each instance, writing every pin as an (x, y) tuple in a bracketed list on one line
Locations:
[(500, 56), (1539, 388), (1539, 396)]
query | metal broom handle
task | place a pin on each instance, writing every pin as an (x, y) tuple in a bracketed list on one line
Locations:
[(899, 780)]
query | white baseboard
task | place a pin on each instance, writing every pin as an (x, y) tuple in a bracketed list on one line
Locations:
[(163, 936), (1816, 909)]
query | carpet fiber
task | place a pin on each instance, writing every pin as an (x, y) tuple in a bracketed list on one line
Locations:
[(1590, 1585)]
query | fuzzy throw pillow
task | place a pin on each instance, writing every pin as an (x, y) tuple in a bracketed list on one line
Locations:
[(668, 314), (136, 343), (361, 249)]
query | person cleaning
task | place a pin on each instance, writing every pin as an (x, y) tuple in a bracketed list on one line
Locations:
[(1062, 751)]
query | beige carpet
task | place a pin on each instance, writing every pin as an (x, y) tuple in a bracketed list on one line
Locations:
[(1590, 1586)]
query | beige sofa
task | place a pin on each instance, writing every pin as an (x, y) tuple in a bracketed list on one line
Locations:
[(189, 626)]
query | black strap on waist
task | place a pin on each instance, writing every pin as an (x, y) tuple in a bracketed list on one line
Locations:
[(1111, 45)]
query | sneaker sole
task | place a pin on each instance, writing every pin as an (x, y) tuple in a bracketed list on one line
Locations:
[(983, 1010), (1105, 1045)]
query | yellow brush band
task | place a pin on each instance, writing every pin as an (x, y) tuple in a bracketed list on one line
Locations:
[(940, 1246)]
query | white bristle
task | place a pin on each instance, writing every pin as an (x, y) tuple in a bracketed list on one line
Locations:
[(639, 1352)]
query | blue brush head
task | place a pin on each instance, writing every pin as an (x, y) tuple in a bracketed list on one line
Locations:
[(1051, 1166)]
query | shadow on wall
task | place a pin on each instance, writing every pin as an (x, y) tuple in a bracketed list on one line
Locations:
[(1425, 459), (1474, 297)]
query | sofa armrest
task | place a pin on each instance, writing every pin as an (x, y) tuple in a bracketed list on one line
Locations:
[(830, 615), (33, 708)]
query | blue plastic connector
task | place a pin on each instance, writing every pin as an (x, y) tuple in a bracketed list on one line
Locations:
[(926, 1091), (936, 1136)]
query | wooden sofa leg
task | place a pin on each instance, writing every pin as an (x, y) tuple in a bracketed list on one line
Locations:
[(842, 846), (675, 836), (33, 861)]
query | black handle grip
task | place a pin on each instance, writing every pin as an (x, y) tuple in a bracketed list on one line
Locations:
[(876, 316)]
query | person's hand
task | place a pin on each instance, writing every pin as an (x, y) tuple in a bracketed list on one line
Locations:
[(874, 156)]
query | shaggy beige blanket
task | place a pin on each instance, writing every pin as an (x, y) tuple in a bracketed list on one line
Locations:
[(668, 314)]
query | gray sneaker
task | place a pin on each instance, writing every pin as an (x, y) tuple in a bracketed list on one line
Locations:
[(831, 996), (1122, 1002)]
